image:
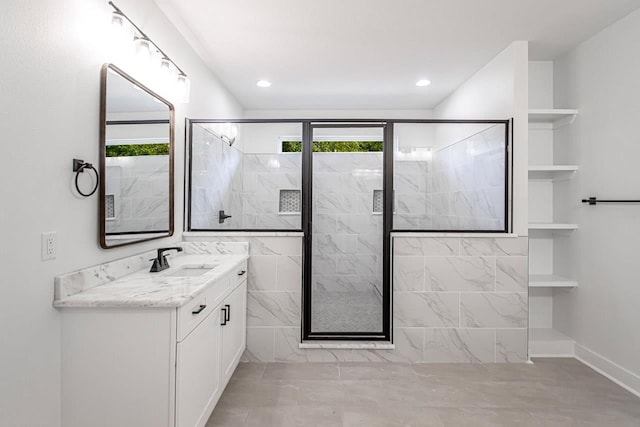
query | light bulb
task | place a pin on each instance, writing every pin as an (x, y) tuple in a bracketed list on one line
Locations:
[(183, 86), (121, 37), (167, 70), (143, 50), (117, 21)]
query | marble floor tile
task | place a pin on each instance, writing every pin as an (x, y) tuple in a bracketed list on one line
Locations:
[(300, 371), (549, 392), (376, 371), (320, 392), (298, 416), (388, 416), (249, 372), (228, 417)]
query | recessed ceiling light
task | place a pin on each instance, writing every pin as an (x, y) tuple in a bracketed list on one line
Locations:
[(423, 82), (263, 83)]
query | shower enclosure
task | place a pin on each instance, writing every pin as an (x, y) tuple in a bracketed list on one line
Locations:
[(347, 187), (347, 291)]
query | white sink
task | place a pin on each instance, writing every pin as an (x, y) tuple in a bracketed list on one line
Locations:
[(191, 270)]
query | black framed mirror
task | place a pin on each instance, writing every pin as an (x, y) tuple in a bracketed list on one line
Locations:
[(136, 161)]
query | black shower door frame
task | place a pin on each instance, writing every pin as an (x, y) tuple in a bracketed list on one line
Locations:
[(307, 225)]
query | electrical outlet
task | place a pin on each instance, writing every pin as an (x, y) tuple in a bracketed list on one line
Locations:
[(48, 245)]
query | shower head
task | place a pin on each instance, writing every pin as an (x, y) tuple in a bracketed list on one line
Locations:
[(228, 140)]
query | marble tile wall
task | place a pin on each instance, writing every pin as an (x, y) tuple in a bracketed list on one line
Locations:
[(216, 182), (461, 299), (468, 183), (413, 208), (455, 300), (139, 185), (264, 175)]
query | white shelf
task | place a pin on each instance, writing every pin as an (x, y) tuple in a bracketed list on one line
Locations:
[(552, 226), (551, 115), (550, 343), (550, 281), (553, 168), (551, 172)]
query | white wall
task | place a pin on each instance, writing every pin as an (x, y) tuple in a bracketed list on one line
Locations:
[(500, 91), (338, 114), (540, 84), (600, 78), (52, 53)]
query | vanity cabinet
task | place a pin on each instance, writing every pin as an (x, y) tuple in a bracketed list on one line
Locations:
[(234, 337), (207, 358), (153, 367), (198, 371)]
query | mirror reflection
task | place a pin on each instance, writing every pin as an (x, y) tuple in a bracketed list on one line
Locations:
[(136, 190)]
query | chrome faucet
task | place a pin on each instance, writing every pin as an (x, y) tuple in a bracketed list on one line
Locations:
[(160, 263)]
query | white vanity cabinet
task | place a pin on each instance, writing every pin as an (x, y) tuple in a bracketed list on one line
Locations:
[(198, 371), (234, 337), (153, 367), (208, 356)]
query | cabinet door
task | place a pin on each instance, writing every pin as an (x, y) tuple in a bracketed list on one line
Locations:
[(198, 372), (234, 333)]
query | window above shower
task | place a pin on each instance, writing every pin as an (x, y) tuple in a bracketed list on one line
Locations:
[(241, 180)]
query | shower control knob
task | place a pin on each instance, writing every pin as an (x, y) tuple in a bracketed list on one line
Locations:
[(222, 216)]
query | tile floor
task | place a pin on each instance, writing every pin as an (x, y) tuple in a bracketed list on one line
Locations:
[(550, 392), (346, 312)]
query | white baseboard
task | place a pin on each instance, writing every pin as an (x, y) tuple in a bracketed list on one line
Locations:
[(616, 373)]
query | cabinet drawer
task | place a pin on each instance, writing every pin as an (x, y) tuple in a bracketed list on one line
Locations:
[(190, 315)]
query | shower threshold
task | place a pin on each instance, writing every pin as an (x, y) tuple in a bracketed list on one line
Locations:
[(348, 345)]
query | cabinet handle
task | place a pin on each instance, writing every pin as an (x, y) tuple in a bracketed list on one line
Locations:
[(198, 311), (224, 316), (241, 273), (227, 313)]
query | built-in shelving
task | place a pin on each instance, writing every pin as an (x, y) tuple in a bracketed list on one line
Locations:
[(551, 172), (550, 342), (551, 281), (552, 197), (552, 226), (553, 168), (556, 116)]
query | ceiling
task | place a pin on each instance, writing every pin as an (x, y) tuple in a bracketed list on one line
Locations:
[(368, 54)]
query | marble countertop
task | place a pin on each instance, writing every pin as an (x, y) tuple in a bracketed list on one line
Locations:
[(145, 289)]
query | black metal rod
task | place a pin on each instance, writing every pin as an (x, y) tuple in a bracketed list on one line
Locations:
[(594, 201)]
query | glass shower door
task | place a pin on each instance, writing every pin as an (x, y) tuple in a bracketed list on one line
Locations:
[(346, 289)]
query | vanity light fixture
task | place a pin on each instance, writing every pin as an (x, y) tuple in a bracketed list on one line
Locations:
[(150, 57), (423, 82), (263, 83)]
